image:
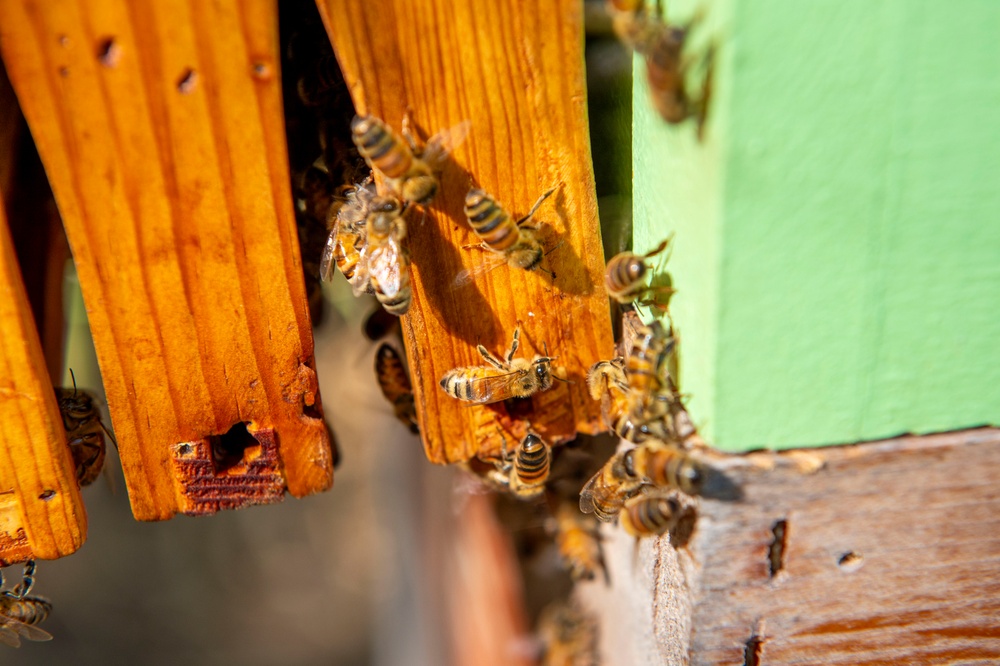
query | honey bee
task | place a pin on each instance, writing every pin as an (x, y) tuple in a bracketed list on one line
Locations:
[(346, 242), (643, 29), (395, 384), (646, 367), (525, 471), (410, 171), (84, 432), (606, 492), (19, 613), (651, 514), (515, 242), (669, 466), (625, 279), (578, 539), (568, 636), (625, 410), (500, 380), (388, 260)]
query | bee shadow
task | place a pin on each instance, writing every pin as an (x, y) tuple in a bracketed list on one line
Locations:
[(571, 274)]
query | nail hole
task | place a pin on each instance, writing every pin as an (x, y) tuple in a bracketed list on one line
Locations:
[(63, 40), (46, 495), (261, 71), (850, 561), (753, 651), (776, 554), (228, 450), (187, 82), (109, 52), (64, 72)]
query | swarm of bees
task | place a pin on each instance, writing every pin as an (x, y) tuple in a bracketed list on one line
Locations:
[(20, 612), (643, 28)]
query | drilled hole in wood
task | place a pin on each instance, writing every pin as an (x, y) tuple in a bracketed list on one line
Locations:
[(109, 52), (228, 450), (776, 554), (850, 561), (46, 495), (187, 81), (753, 651)]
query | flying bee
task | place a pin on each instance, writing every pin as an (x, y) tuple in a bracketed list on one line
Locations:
[(19, 613), (626, 279), (515, 242), (388, 260), (568, 636), (579, 542), (410, 171), (625, 411), (395, 384), (605, 493), (669, 466), (84, 432), (651, 514), (500, 380)]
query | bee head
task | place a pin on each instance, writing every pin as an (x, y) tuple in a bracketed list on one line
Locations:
[(383, 213), (543, 372), (529, 257), (420, 189), (636, 268)]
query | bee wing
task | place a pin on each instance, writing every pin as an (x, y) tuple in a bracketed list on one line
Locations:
[(386, 265), (587, 494), (32, 633), (326, 262), (12, 630), (496, 384), (8, 636), (465, 277), (444, 143)]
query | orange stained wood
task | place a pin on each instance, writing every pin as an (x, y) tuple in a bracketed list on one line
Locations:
[(515, 71), (41, 512), (160, 127)]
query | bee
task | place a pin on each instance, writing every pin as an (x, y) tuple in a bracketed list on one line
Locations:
[(395, 384), (19, 613), (84, 432), (500, 380), (579, 542), (669, 466), (625, 279), (651, 514), (625, 411), (388, 263), (646, 367), (606, 492), (568, 636), (527, 469), (347, 238), (516, 242), (410, 171)]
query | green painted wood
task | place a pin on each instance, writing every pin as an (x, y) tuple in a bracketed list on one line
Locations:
[(837, 247)]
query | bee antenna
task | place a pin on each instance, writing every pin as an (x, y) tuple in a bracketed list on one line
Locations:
[(560, 379), (108, 433)]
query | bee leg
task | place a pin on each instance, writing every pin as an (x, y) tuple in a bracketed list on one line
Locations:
[(476, 246), (513, 344), (490, 358), (538, 203), (27, 582), (701, 111), (405, 131)]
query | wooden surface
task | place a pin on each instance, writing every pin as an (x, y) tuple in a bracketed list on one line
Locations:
[(41, 512), (835, 245), (891, 554), (518, 77), (160, 127)]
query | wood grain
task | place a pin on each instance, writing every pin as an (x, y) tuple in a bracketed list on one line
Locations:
[(160, 126), (41, 512), (891, 554), (518, 76)]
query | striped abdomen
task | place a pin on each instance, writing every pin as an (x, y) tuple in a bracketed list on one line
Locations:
[(670, 467), (646, 366), (608, 489), (397, 303), (88, 450), (29, 610), (531, 463), (650, 515), (346, 253), (381, 147), (490, 222), (625, 277)]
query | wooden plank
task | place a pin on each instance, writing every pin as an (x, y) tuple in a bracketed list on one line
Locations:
[(160, 126), (517, 76), (41, 511), (890, 554)]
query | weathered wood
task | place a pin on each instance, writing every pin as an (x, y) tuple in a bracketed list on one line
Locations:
[(890, 554), (517, 75), (41, 512), (160, 126)]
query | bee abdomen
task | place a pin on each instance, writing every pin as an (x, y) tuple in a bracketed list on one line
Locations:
[(624, 275), (458, 383), (380, 146), (650, 515), (532, 462), (399, 303), (30, 610), (490, 222), (391, 375)]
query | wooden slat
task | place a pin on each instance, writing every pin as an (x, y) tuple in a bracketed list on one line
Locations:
[(891, 555), (160, 126), (517, 74), (41, 511)]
